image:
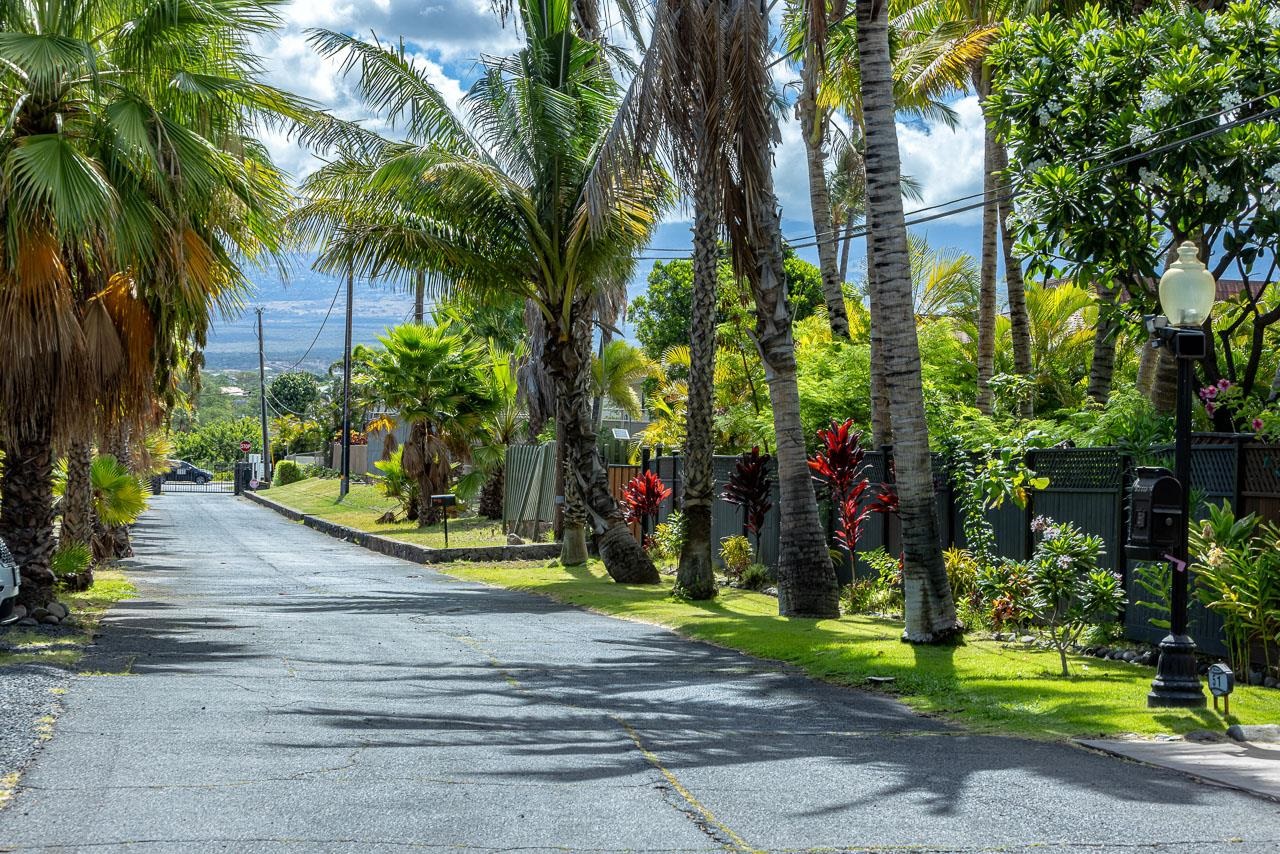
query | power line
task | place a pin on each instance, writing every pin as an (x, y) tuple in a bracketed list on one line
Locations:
[(861, 230), (332, 303)]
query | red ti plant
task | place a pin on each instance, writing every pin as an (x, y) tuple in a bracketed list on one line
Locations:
[(749, 487), (643, 495), (840, 464)]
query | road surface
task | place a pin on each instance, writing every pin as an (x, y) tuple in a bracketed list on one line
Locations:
[(275, 690)]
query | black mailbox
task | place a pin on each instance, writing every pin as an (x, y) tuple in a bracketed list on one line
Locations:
[(445, 501), (1155, 514)]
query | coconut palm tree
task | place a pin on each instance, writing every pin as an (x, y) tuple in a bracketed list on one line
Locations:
[(703, 95), (495, 200), (929, 608), (133, 186)]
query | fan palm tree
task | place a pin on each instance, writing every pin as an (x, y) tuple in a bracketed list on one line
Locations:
[(434, 378), (495, 200), (617, 372), (133, 185), (929, 609)]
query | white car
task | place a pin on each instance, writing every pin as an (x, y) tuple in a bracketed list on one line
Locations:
[(10, 580)]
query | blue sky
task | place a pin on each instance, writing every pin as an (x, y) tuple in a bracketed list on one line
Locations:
[(446, 37)]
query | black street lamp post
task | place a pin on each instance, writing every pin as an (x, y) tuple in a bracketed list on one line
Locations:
[(1187, 291)]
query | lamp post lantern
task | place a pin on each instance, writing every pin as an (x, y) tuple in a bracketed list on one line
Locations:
[(1187, 291)]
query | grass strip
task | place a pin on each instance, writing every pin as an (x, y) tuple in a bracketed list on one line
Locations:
[(984, 684)]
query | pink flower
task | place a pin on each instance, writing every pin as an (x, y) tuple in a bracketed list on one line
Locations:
[(1224, 384), (1209, 408), (1209, 392), (1257, 425)]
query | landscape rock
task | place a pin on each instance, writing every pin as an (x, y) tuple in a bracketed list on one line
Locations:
[(514, 540), (1255, 677), (19, 611), (1102, 651), (1270, 682), (57, 609), (50, 620), (39, 613), (1258, 732), (28, 621), (1027, 639)]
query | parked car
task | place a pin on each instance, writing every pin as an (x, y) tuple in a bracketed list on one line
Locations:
[(183, 470), (10, 580)]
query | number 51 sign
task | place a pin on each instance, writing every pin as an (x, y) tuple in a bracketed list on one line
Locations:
[(1222, 681)]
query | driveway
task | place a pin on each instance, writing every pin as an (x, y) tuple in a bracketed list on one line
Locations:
[(275, 690)]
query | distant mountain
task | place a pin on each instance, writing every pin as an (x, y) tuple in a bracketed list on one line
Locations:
[(294, 310)]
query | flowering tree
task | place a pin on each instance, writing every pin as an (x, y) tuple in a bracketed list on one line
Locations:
[(1128, 137)]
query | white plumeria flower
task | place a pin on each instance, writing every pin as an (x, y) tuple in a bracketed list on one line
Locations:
[(1216, 192), (1273, 173)]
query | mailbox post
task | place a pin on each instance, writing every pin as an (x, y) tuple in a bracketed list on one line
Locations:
[(444, 502)]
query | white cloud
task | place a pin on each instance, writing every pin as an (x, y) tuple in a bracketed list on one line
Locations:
[(947, 163)]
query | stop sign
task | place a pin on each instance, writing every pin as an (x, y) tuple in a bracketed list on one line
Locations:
[(245, 446)]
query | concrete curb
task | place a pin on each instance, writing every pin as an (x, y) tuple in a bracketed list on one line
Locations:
[(408, 551)]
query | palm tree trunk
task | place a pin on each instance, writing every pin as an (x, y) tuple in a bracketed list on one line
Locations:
[(77, 497), (814, 127), (1103, 364), (881, 425), (929, 607), (695, 577), (535, 387), (1019, 320), (568, 360), (844, 248), (807, 585), (987, 308), (419, 297), (26, 506)]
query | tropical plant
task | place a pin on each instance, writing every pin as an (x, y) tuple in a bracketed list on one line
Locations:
[(504, 426), (496, 201), (134, 191), (737, 555), (750, 487), (643, 496), (72, 565), (840, 464), (394, 484), (929, 610), (667, 539), (1061, 589), (617, 374), (433, 378)]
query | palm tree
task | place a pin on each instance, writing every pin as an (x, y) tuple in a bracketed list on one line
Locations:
[(132, 188), (617, 372), (497, 202), (929, 608), (504, 427), (434, 378)]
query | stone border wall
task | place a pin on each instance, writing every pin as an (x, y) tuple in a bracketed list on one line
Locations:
[(409, 551)]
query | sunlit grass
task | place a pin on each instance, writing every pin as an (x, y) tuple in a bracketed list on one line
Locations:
[(66, 648), (364, 504), (985, 684)]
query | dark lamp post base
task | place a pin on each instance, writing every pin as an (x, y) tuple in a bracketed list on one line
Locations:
[(1177, 685)]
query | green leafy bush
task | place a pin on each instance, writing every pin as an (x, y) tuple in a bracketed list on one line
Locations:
[(737, 554), (667, 539), (287, 472), (880, 593), (70, 560), (757, 576), (1061, 590)]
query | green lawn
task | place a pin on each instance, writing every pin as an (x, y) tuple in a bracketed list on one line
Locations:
[(64, 650), (364, 504), (985, 684)]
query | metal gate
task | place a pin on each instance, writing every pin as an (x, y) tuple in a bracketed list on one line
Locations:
[(220, 479)]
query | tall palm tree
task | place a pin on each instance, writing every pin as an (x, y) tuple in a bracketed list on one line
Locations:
[(704, 87), (495, 199), (929, 608), (133, 185)]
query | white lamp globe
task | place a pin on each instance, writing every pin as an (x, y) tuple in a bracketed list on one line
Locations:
[(1187, 289)]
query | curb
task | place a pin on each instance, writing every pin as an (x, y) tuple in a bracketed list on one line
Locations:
[(409, 551)]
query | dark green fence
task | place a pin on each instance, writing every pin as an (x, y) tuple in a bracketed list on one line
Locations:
[(1087, 486)]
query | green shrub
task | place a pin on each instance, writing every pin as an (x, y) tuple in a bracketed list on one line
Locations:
[(667, 539), (880, 593), (70, 560), (287, 472), (757, 576), (737, 555)]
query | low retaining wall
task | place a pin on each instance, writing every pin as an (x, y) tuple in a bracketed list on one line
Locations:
[(409, 551)]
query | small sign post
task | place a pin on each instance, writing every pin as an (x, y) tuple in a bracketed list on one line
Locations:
[(1222, 681)]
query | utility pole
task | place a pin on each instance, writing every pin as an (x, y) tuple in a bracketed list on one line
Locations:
[(344, 485), (262, 394)]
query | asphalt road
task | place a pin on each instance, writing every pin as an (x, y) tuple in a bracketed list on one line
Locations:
[(275, 690)]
